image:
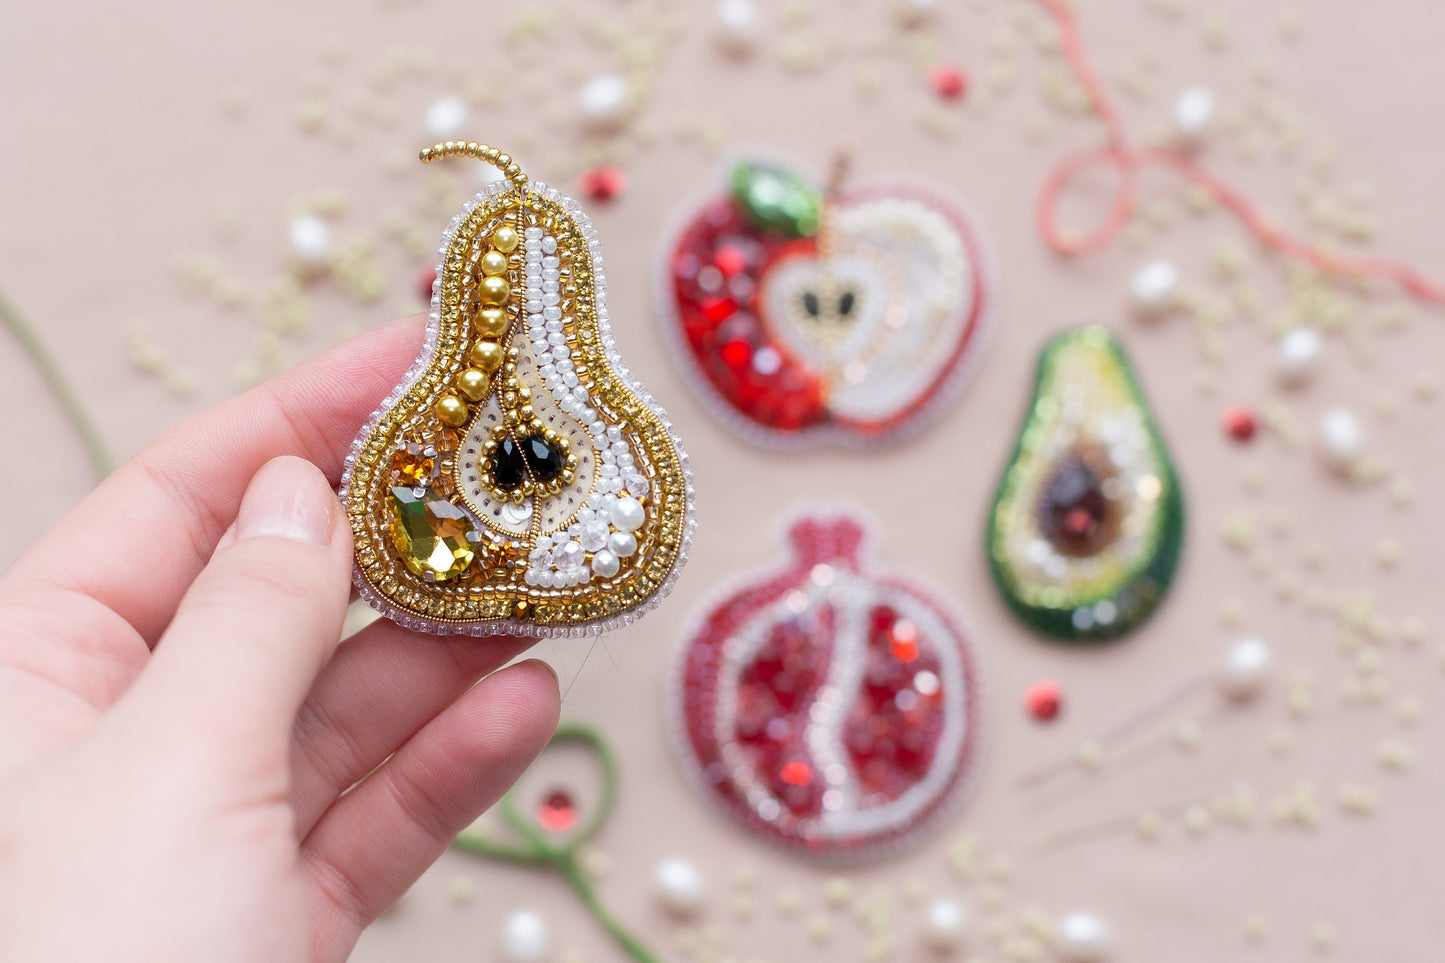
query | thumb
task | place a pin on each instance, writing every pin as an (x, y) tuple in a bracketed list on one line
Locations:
[(259, 622)]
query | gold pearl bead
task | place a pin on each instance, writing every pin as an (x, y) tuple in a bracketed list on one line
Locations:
[(494, 290), (494, 263), (487, 356), (491, 322), (505, 239), (473, 384), (451, 411)]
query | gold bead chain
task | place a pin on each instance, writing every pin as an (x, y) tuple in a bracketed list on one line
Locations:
[(470, 148)]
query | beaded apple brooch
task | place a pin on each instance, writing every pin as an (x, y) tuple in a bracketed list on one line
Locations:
[(824, 315), (519, 479), (831, 709), (1088, 521)]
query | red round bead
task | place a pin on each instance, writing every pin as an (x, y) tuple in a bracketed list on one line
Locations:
[(557, 813), (1239, 422), (947, 81), (1044, 699)]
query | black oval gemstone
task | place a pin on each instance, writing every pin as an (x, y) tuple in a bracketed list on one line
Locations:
[(846, 302), (1075, 512), (811, 304), (506, 466), (544, 459)]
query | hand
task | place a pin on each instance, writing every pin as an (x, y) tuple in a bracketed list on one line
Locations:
[(190, 768)]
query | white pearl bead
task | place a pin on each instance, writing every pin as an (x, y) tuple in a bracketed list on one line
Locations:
[(1193, 112), (1341, 439), (680, 887), (1297, 354), (944, 924), (627, 514), (524, 938), (1155, 287), (310, 239), (622, 544), (916, 11), (1083, 938), (603, 99), (445, 118), (1246, 667), (737, 22), (605, 564)]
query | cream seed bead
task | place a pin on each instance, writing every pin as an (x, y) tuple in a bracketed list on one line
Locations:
[(1083, 938), (679, 887), (1246, 669), (944, 925), (1155, 288), (524, 937)]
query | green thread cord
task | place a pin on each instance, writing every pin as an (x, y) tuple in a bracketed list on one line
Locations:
[(30, 343), (533, 848)]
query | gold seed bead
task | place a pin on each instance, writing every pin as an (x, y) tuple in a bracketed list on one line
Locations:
[(473, 384), (487, 356), (491, 322), (494, 263), (494, 290), (451, 411), (505, 239)]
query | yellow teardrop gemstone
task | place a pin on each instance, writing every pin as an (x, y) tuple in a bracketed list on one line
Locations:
[(433, 537)]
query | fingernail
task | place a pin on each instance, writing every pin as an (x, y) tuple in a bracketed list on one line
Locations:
[(288, 498), (548, 666)]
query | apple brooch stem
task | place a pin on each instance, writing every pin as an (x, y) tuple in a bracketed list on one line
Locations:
[(519, 479), (846, 314)]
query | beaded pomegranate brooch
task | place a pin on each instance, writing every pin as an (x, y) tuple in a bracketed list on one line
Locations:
[(1088, 521), (833, 710), (519, 479), (824, 315)]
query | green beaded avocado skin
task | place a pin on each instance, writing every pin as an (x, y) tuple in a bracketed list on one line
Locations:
[(1139, 590)]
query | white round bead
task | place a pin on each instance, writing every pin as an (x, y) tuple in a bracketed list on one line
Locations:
[(1083, 938), (737, 22), (1341, 439), (1246, 668), (627, 514), (605, 564), (1193, 112), (603, 99), (445, 118), (1297, 354), (944, 924), (622, 544), (524, 937), (680, 887), (916, 11), (310, 239), (1155, 287)]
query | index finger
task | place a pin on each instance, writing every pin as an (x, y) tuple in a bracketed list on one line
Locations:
[(150, 527)]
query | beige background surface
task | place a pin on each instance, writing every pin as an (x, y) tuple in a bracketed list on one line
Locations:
[(144, 139)]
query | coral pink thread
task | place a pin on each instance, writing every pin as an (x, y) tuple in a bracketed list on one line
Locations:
[(1128, 161)]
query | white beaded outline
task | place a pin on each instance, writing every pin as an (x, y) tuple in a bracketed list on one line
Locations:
[(619, 368)]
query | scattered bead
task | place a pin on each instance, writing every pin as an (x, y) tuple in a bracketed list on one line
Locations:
[(947, 81), (1193, 112), (1341, 440), (1297, 355), (1083, 938), (945, 924), (524, 937), (1043, 699), (310, 239), (679, 887), (1245, 670), (1188, 734), (424, 281), (603, 183), (1155, 288), (603, 100), (737, 22), (446, 118), (1239, 422)]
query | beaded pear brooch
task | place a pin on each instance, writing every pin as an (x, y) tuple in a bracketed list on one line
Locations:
[(832, 709), (519, 479), (824, 315)]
